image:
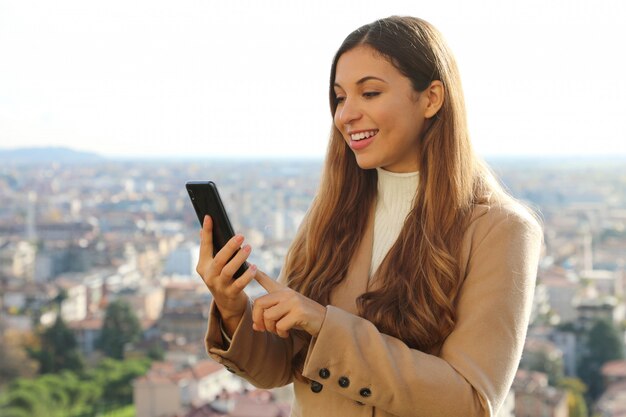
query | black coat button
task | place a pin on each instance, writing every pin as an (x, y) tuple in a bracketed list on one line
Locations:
[(316, 386), (365, 392), (324, 373), (344, 382)]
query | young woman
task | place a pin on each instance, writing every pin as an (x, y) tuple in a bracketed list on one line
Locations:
[(408, 288)]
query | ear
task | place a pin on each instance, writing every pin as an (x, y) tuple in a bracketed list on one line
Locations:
[(434, 95)]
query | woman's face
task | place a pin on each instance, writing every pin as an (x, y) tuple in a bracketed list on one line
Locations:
[(379, 114)]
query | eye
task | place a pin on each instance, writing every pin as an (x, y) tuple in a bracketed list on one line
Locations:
[(371, 94), (339, 99)]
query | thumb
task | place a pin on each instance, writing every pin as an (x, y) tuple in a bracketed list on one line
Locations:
[(266, 282), (206, 238)]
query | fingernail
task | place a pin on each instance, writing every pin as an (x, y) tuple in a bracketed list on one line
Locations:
[(239, 239), (247, 248), (253, 268), (206, 216)]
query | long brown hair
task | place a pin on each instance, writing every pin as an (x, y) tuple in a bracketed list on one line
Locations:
[(420, 275)]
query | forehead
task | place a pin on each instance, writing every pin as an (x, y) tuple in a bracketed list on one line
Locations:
[(363, 61)]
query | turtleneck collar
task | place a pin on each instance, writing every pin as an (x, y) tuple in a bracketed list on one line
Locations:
[(397, 185)]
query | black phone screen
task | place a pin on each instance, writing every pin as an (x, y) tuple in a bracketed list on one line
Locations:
[(206, 200)]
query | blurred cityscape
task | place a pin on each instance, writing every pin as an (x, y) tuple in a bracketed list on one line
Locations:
[(102, 312)]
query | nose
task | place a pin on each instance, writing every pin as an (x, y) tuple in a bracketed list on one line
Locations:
[(347, 113)]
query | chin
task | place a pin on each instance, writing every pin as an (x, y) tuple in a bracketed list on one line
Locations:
[(366, 163)]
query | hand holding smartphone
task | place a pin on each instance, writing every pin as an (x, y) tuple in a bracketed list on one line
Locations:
[(206, 200)]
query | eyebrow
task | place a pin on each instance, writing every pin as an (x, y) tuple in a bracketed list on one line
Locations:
[(364, 79)]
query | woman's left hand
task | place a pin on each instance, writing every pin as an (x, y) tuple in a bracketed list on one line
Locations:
[(283, 309)]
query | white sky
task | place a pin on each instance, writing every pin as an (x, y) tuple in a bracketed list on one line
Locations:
[(249, 78)]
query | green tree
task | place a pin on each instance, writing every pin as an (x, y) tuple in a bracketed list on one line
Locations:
[(80, 391), (32, 396), (15, 412), (602, 344), (115, 378), (68, 394), (59, 349), (120, 327), (575, 396)]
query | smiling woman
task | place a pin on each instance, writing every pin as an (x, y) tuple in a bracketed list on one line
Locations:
[(408, 287)]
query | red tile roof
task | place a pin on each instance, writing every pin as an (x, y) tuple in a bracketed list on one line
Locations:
[(614, 369)]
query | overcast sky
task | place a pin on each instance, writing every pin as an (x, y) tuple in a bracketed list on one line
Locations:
[(249, 78)]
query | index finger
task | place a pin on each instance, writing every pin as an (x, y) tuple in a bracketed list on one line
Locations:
[(266, 282)]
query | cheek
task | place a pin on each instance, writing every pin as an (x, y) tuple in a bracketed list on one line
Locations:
[(336, 120)]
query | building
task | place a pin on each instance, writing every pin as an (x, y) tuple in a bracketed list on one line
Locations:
[(534, 397), (168, 390), (614, 372), (608, 283), (612, 403), (183, 260), (541, 354), (591, 308), (17, 259), (566, 342), (185, 311), (258, 403), (87, 332), (561, 290), (74, 306), (146, 301)]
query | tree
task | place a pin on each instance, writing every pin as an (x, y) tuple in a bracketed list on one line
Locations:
[(14, 359), (602, 344), (59, 349), (32, 396), (575, 396), (68, 394), (120, 327), (115, 378)]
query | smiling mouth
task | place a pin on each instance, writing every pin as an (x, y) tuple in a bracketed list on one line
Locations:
[(363, 135)]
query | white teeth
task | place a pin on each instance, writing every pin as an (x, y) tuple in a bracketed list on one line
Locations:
[(363, 135)]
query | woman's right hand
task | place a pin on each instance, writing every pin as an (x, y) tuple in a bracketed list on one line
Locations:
[(217, 273)]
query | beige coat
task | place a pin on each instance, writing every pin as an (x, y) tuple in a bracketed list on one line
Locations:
[(358, 371)]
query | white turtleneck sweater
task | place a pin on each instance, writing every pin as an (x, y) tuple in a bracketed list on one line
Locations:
[(396, 192)]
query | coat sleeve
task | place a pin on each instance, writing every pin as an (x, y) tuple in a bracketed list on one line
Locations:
[(262, 358), (477, 362)]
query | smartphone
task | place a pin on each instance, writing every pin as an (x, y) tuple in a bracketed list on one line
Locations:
[(206, 200)]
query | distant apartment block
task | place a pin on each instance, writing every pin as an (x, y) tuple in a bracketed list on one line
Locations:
[(167, 390), (17, 259), (183, 260)]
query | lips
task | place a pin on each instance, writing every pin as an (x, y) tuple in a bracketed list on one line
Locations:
[(361, 140)]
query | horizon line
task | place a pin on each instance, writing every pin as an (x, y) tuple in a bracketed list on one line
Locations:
[(291, 156)]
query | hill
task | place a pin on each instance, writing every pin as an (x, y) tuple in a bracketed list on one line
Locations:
[(47, 155)]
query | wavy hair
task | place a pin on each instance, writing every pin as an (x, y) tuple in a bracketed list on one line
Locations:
[(420, 276)]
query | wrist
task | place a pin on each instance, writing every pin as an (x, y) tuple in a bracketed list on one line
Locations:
[(229, 314), (316, 326), (230, 320)]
